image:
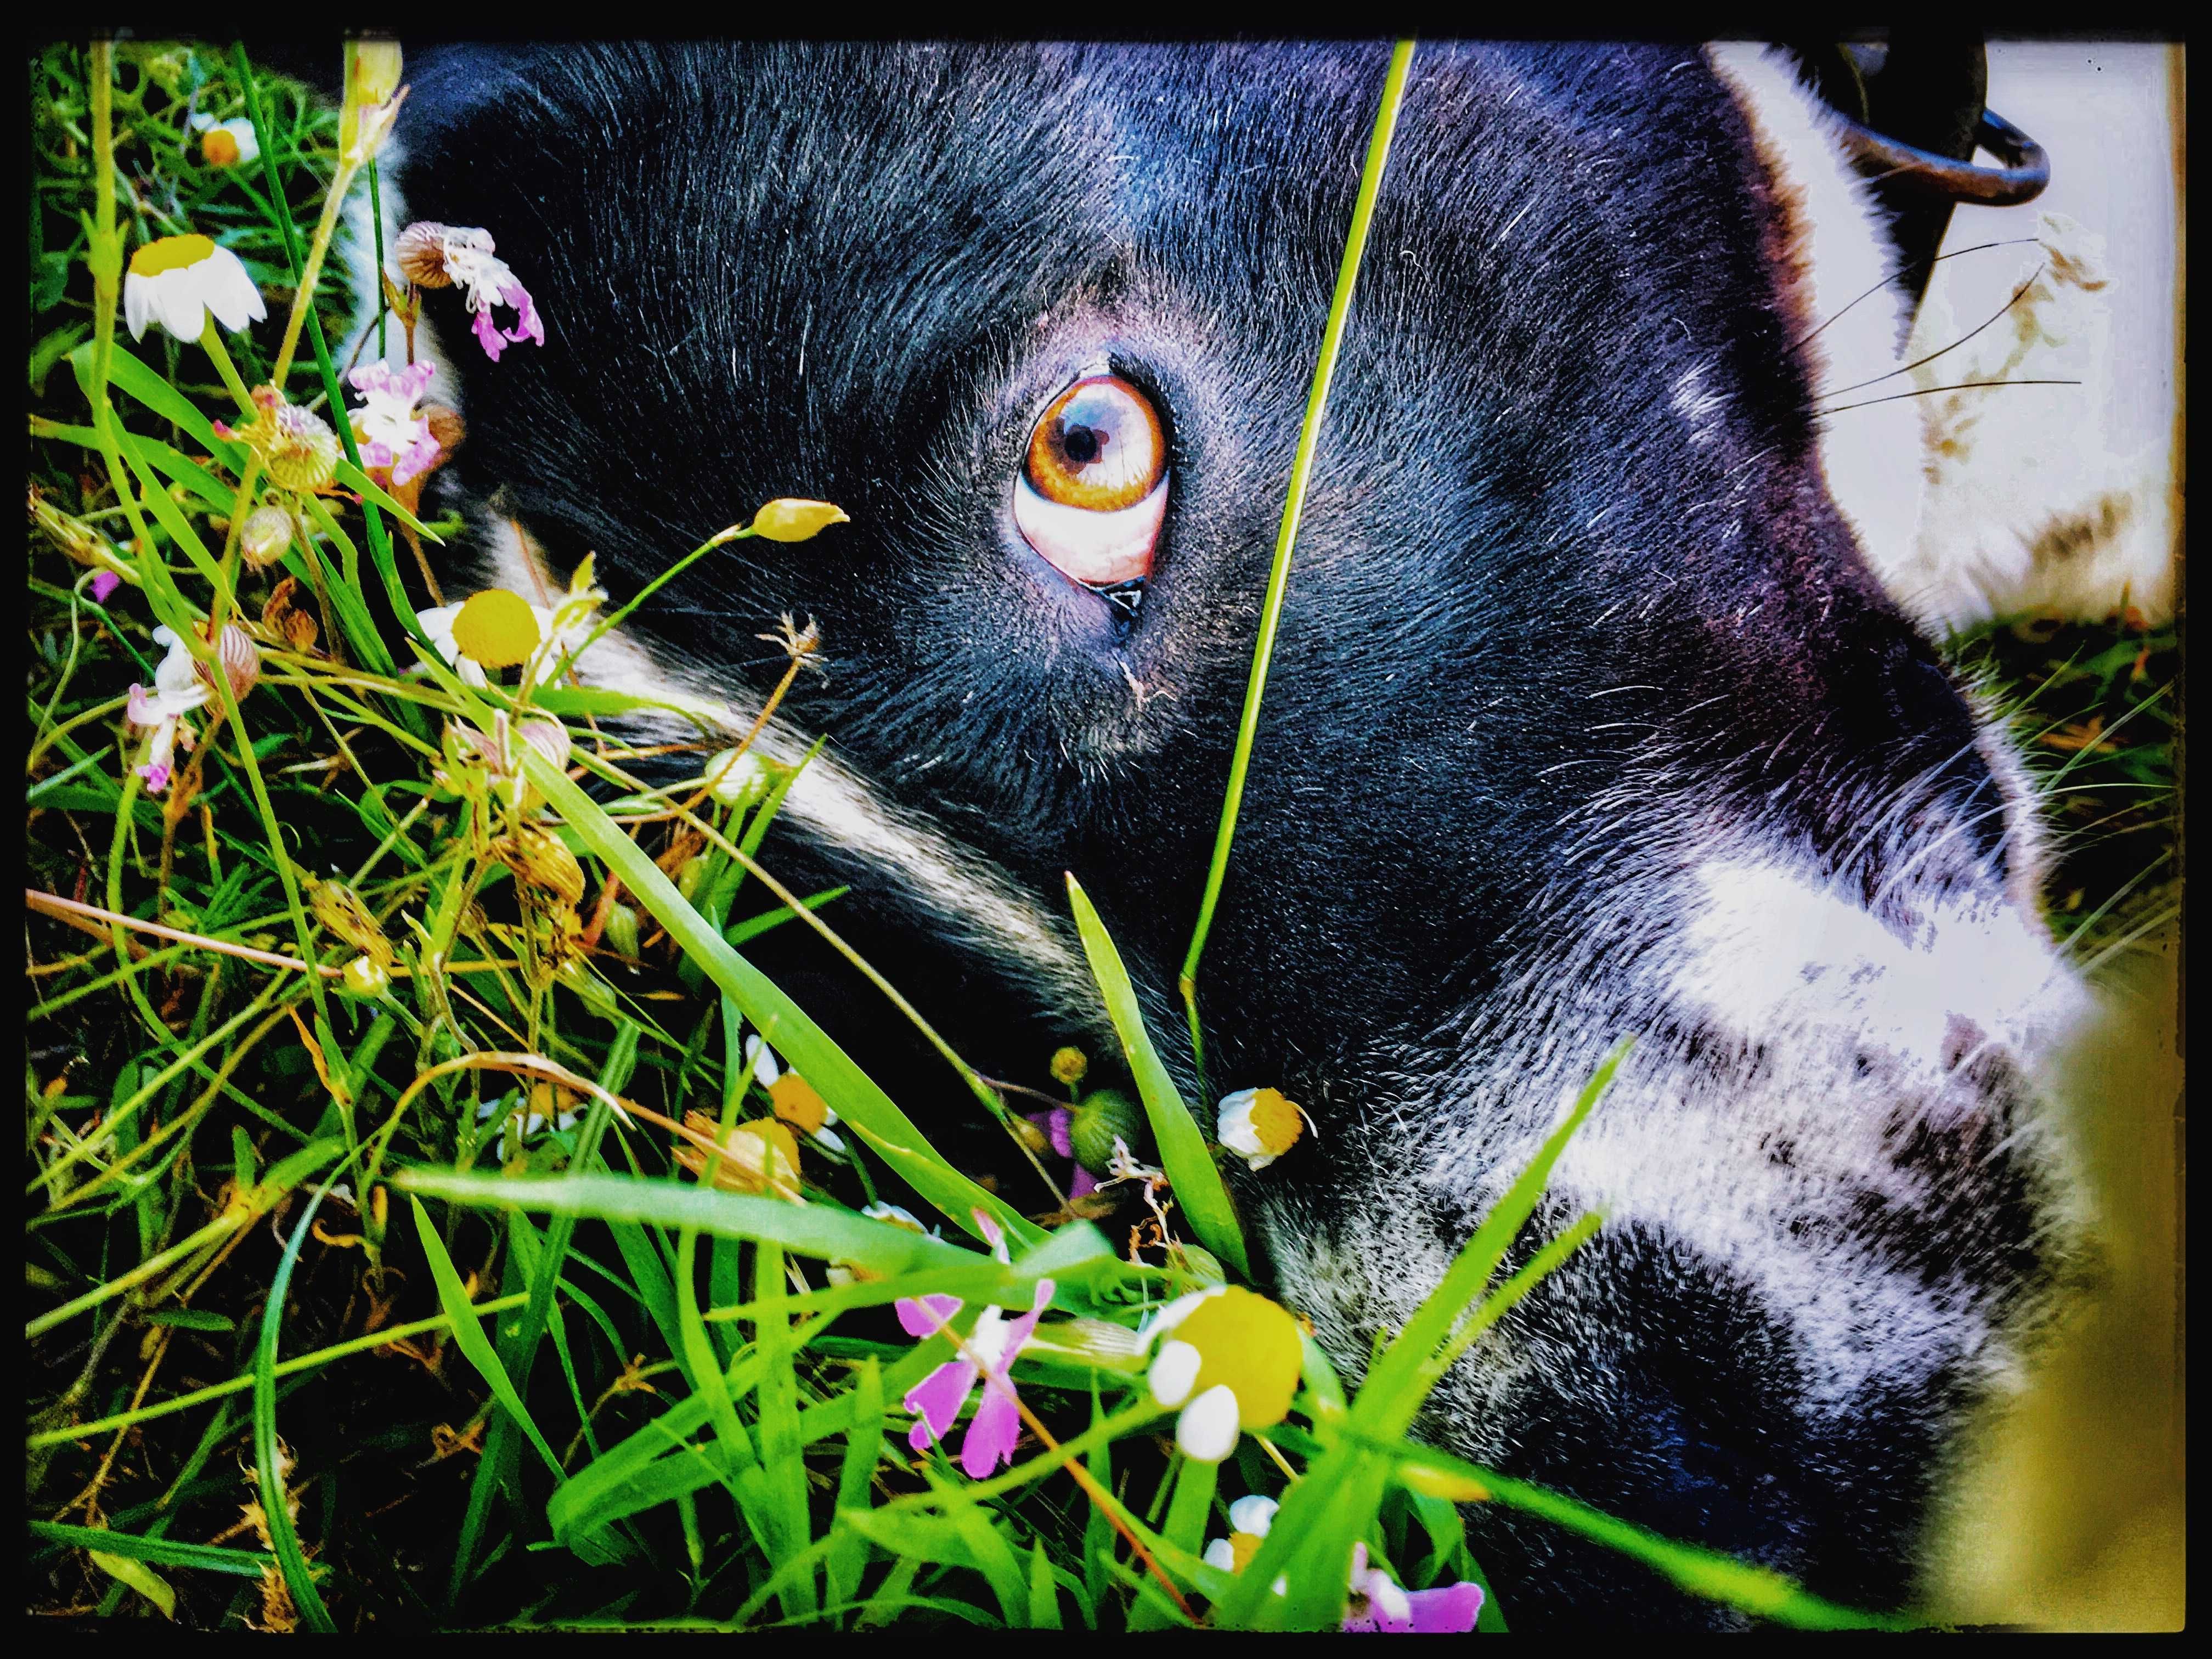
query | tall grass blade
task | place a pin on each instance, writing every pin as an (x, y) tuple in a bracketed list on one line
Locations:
[(1184, 1156)]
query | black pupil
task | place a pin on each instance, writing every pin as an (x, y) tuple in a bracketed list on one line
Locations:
[(1083, 444)]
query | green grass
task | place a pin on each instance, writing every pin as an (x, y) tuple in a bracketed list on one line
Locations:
[(318, 1339)]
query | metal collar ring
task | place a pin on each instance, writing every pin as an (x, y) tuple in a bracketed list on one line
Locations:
[(2023, 173)]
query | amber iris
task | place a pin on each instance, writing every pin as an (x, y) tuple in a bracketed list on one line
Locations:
[(1099, 446)]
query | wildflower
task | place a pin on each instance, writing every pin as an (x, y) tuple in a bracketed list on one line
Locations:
[(226, 144), (1054, 1123), (993, 1341), (792, 1098), (393, 436), (1249, 1519), (494, 628), (550, 739), (178, 690), (786, 520), (1069, 1065), (760, 1157), (238, 657), (1230, 1360), (178, 279), (1379, 1603), (450, 256), (372, 88), (263, 537), (104, 582), (296, 446), (1258, 1125)]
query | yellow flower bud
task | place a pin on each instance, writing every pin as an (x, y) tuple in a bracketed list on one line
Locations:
[(787, 519), (496, 628), (1069, 1065)]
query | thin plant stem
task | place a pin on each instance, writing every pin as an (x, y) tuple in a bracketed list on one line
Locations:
[(211, 342), (1271, 609)]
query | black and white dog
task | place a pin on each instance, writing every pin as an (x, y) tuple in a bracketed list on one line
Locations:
[(1589, 717)]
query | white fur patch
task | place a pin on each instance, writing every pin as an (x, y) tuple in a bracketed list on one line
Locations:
[(971, 901), (1869, 455)]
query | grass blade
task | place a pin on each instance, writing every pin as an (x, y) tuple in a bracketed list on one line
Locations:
[(784, 1026), (864, 1448), (1183, 1152), (267, 1469), (469, 1336)]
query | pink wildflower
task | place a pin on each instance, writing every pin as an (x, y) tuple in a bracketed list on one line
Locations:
[(460, 256), (391, 433), (104, 582), (1379, 1604), (178, 690), (994, 1341), (1055, 1124)]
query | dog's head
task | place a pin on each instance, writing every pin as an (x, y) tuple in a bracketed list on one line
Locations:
[(1587, 719)]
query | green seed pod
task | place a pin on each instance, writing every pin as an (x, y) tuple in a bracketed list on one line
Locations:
[(1103, 1115), (621, 930)]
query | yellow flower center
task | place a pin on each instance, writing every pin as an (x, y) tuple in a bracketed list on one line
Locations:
[(1251, 1343), (1276, 1121), (797, 1103), (171, 254), (1242, 1546), (220, 149), (496, 628)]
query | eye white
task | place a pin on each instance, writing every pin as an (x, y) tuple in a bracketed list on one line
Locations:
[(1096, 549)]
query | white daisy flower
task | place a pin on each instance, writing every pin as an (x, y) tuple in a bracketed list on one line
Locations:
[(177, 281), (1259, 1125), (226, 144), (794, 1099)]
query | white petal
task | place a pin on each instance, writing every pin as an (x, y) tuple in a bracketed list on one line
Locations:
[(1254, 1514), (227, 291), (830, 1139), (137, 303), (177, 304), (1220, 1552), (1206, 1430), (763, 1062), (1389, 1600), (1174, 1370)]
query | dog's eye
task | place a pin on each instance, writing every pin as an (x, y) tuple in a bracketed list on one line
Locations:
[(1093, 490)]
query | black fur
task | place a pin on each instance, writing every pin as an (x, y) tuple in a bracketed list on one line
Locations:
[(858, 273)]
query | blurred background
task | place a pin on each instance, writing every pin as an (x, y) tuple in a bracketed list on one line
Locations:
[(2070, 1511)]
